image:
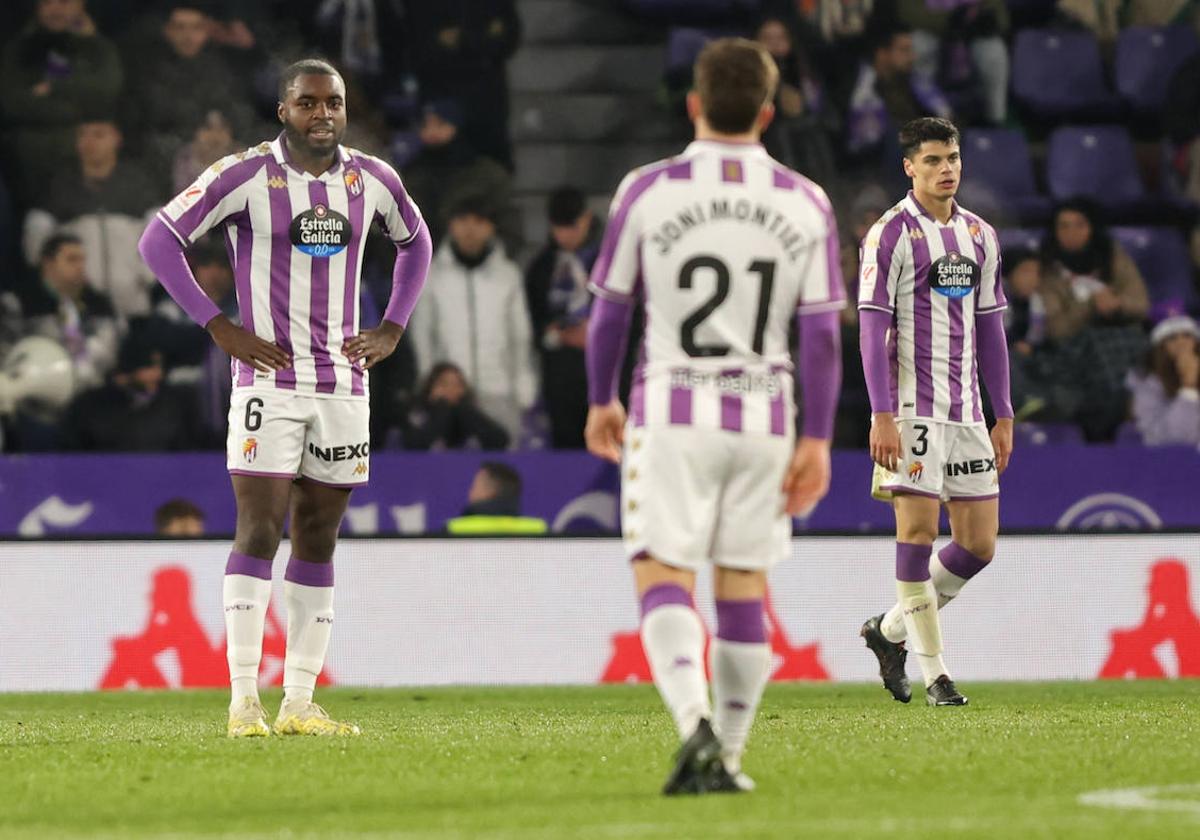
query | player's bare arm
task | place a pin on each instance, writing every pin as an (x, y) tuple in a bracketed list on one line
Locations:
[(245, 346)]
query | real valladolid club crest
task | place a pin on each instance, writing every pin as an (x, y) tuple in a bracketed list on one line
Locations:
[(354, 183), (250, 449)]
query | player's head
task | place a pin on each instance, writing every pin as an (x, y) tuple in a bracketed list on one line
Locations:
[(496, 481), (570, 218), (312, 106), (63, 266), (931, 156), (179, 518), (734, 87)]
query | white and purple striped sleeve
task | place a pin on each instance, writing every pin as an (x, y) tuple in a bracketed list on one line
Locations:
[(211, 198), (881, 258), (991, 285), (823, 289), (618, 265), (397, 212)]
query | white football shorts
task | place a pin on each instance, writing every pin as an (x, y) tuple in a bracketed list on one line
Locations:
[(945, 461), (690, 497), (284, 435)]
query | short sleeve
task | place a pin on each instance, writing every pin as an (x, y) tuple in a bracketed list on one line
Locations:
[(880, 261), (216, 195), (991, 280), (396, 211), (615, 274)]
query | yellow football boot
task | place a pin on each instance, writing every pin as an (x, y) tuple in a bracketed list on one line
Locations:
[(303, 717), (248, 719)]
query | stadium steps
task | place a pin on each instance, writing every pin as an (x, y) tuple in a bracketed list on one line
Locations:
[(597, 117), (586, 69), (581, 22), (593, 167)]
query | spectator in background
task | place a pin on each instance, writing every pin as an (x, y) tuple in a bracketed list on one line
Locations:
[(1095, 302), (1025, 327), (1101, 17), (104, 201), (960, 44), (211, 141), (1166, 394), (178, 518), (559, 302), (446, 416), (799, 135), (58, 303), (460, 51), (448, 169), (886, 95), (57, 69), (136, 411), (1162, 13), (182, 80), (473, 314), (494, 505)]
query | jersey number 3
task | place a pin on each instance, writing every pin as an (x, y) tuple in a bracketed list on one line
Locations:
[(765, 269)]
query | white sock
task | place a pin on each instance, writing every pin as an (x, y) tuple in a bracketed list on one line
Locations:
[(309, 625), (740, 671), (946, 583), (673, 639), (246, 600), (919, 602)]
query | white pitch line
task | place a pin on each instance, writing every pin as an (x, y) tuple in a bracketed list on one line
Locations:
[(1144, 798)]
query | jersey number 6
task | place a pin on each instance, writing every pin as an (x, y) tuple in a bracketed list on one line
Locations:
[(765, 269), (253, 417)]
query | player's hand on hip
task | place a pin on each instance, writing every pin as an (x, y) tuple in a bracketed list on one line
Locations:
[(807, 479), (370, 347), (245, 346), (885, 441), (1002, 442), (605, 431)]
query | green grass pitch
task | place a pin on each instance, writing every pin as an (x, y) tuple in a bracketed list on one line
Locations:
[(532, 763)]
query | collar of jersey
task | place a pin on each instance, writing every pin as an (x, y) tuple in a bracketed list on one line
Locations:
[(279, 150), (726, 146), (954, 211)]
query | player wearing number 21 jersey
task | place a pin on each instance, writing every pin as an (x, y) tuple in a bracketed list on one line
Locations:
[(726, 250), (294, 213)]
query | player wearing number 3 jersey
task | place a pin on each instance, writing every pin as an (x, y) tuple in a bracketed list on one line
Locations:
[(725, 249), (931, 327), (294, 213)]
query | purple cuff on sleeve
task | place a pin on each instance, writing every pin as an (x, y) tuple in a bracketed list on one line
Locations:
[(992, 354), (163, 253), (820, 371), (608, 333), (873, 326), (408, 277)]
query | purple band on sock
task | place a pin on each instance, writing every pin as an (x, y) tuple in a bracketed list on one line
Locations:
[(662, 595), (912, 562), (958, 561), (244, 564), (741, 621), (309, 574)]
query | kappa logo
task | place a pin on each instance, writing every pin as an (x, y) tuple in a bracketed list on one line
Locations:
[(250, 449), (361, 469), (915, 234), (354, 182), (217, 167), (276, 183), (915, 470)]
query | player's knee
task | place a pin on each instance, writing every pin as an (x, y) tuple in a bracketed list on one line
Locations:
[(983, 547), (917, 533)]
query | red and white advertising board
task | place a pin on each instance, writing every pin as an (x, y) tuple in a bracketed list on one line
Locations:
[(87, 615)]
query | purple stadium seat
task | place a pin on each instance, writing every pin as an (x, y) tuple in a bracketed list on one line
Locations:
[(684, 43), (1029, 239), (1162, 257), (998, 176), (1147, 58), (1095, 161), (1057, 74)]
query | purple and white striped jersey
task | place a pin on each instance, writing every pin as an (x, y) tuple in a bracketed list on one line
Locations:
[(934, 279), (296, 245), (724, 246)]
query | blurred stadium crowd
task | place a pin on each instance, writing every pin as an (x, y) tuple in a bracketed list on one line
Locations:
[(511, 120)]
